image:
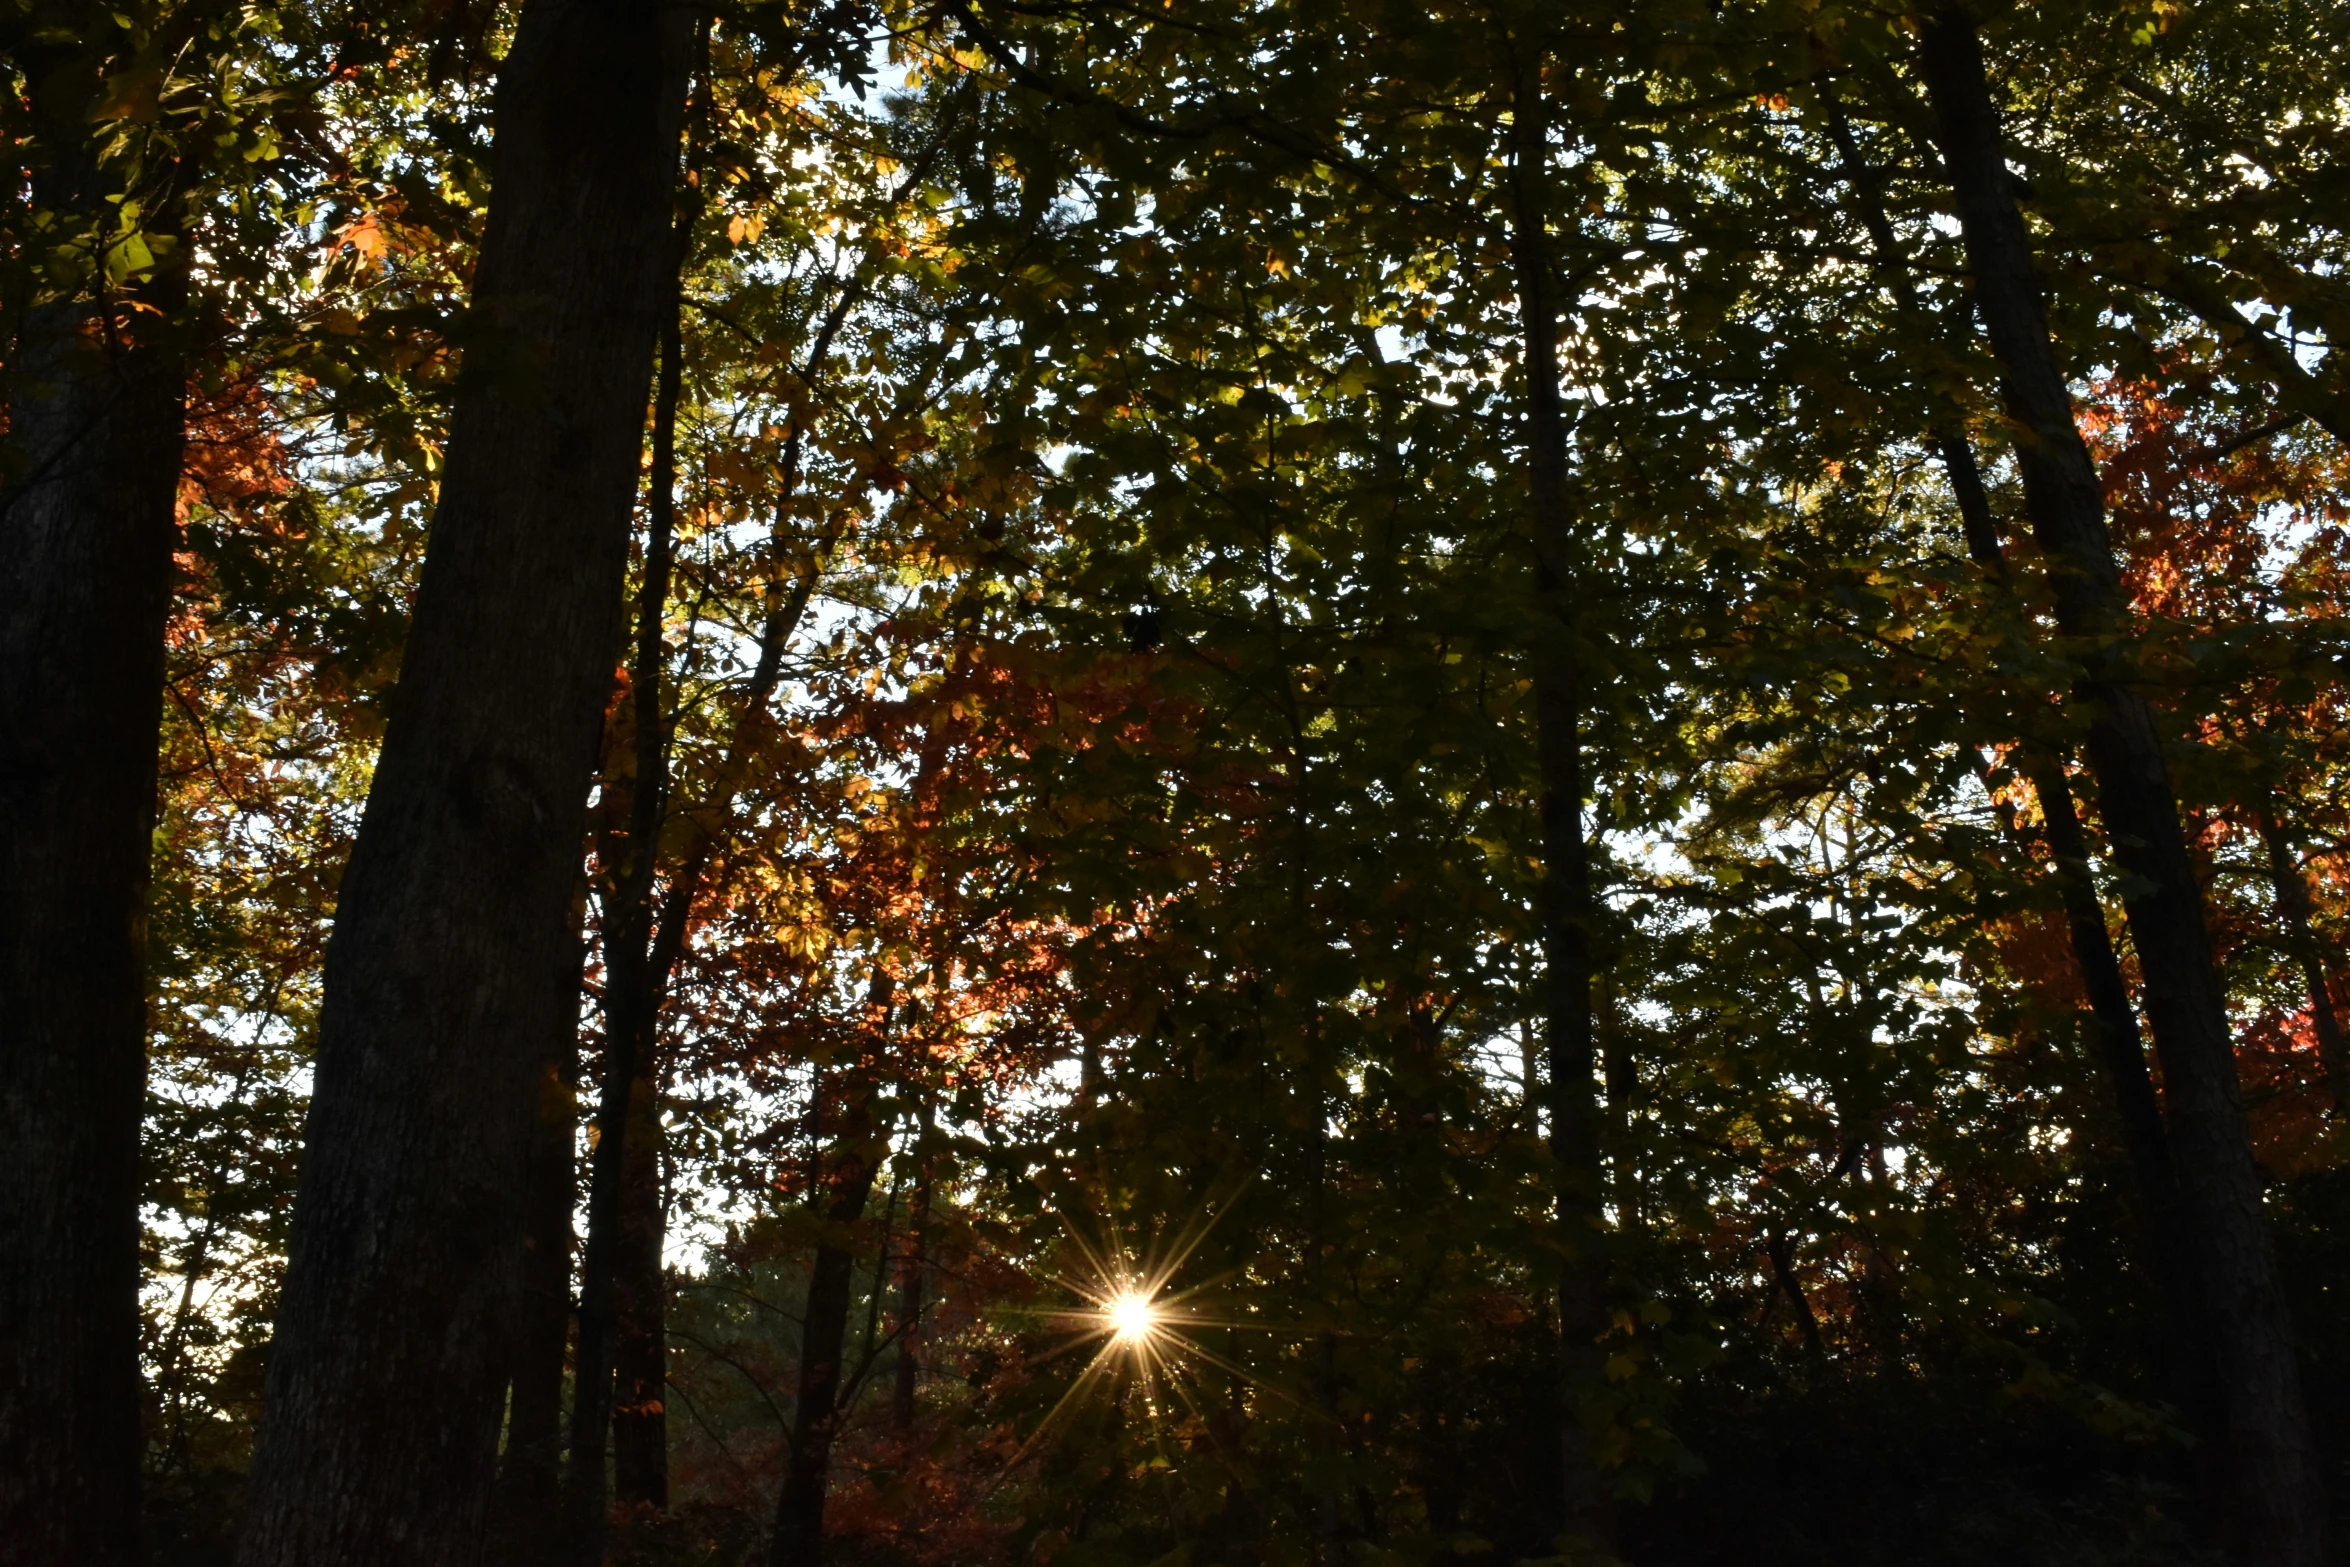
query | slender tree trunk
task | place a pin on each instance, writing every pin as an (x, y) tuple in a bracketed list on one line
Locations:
[(2277, 1508), (1781, 1250), (2294, 907), (1327, 1461), (799, 1508), (87, 532), (2113, 1032), (2113, 1020), (627, 1224), (640, 1427), (1566, 926), (1439, 1465), (616, 1297), (392, 1347), (913, 1283), (640, 1296), (881, 1272), (528, 1526), (1621, 1076)]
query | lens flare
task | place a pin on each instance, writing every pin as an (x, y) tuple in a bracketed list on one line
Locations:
[(1131, 1316), (1143, 1331)]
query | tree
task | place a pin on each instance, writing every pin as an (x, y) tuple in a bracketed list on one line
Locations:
[(2277, 1498), (94, 434), (1214, 583), (450, 964)]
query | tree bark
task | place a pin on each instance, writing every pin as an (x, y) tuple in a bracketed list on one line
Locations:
[(2276, 1508), (94, 435), (2201, 290), (1566, 925), (2121, 1053), (442, 979), (1780, 1248), (807, 1475)]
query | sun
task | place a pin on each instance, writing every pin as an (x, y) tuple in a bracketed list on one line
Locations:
[(1140, 1327), (1131, 1316)]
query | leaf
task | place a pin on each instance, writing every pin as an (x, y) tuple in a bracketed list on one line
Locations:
[(130, 95)]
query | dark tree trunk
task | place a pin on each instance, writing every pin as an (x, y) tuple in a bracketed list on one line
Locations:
[(913, 1286), (615, 1295), (1568, 961), (807, 1475), (2113, 1032), (2277, 1508), (2113, 1021), (881, 1272), (2293, 906), (86, 539), (1781, 1250), (640, 1360), (640, 1291), (1439, 1465), (393, 1339), (529, 1511), (624, 1293)]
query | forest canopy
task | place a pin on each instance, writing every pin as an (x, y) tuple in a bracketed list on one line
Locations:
[(1217, 785)]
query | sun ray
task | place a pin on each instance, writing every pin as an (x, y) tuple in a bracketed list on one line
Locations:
[(1138, 1326)]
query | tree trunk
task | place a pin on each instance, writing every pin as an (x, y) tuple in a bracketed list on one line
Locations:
[(529, 1508), (2113, 1020), (807, 1475), (2113, 1031), (380, 1437), (640, 1360), (1566, 872), (913, 1286), (615, 1295), (2293, 906), (2277, 1508), (1780, 1248), (86, 538), (627, 1223)]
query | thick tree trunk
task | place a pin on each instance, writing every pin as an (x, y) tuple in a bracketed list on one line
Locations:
[(2277, 1507), (1566, 871), (807, 1475), (380, 1436), (2295, 909), (86, 540)]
